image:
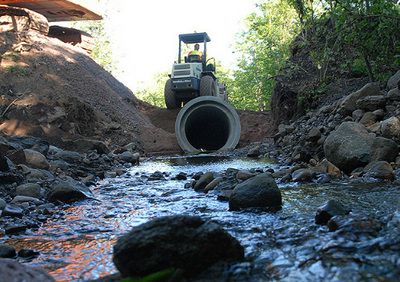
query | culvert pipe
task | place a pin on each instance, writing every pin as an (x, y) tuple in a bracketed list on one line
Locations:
[(207, 124)]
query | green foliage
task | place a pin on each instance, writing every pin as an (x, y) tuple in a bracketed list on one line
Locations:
[(153, 93), (363, 36), (18, 70), (264, 49), (154, 277)]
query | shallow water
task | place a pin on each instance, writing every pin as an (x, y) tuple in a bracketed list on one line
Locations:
[(286, 245)]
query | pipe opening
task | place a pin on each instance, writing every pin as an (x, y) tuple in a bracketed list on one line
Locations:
[(207, 128)]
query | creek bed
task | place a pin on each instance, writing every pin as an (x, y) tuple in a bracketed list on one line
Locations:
[(286, 245)]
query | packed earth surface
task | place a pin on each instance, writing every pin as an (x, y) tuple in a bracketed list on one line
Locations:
[(85, 194)]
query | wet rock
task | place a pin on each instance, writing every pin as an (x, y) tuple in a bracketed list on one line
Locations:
[(13, 271), (29, 189), (15, 228), (368, 119), (224, 195), (328, 210), (214, 183), (197, 175), (110, 174), (27, 253), (7, 251), (351, 146), (69, 191), (393, 80), (355, 225), (180, 242), (244, 175), (24, 199), (12, 210), (34, 175), (390, 127), (303, 175), (254, 152), (203, 181), (35, 159), (372, 103), (380, 170), (181, 176), (157, 175), (260, 191), (349, 103), (129, 157)]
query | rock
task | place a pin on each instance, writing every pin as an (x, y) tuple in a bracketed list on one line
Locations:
[(35, 159), (17, 156), (328, 210), (351, 146), (357, 114), (179, 242), (214, 183), (372, 103), (349, 103), (260, 191), (2, 204), (23, 199), (68, 191), (4, 164), (393, 80), (390, 127), (314, 134), (380, 170), (85, 145), (129, 157), (7, 251), (12, 210), (69, 156), (326, 166), (254, 152), (181, 176), (27, 253), (368, 119), (244, 175), (29, 189), (13, 271), (30, 142), (379, 114), (203, 181), (224, 195), (355, 225), (303, 175), (393, 95), (34, 175), (157, 175)]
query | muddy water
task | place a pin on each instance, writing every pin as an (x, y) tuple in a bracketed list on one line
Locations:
[(286, 245)]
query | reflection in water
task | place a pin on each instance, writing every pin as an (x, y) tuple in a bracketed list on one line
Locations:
[(79, 245)]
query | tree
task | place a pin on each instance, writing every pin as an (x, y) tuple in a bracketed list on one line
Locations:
[(264, 48)]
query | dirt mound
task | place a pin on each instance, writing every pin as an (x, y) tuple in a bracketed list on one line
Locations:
[(58, 93)]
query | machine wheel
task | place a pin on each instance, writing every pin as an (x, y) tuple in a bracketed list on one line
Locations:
[(170, 100), (207, 86)]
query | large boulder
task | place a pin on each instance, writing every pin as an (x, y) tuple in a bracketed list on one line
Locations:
[(349, 103), (351, 146), (393, 82), (13, 271), (371, 103), (260, 191), (380, 170), (178, 242)]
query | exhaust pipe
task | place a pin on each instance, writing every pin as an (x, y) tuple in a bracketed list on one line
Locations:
[(207, 123)]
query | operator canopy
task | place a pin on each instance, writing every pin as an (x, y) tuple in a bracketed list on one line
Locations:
[(190, 38)]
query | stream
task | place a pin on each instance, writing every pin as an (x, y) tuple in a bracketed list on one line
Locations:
[(286, 245)]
